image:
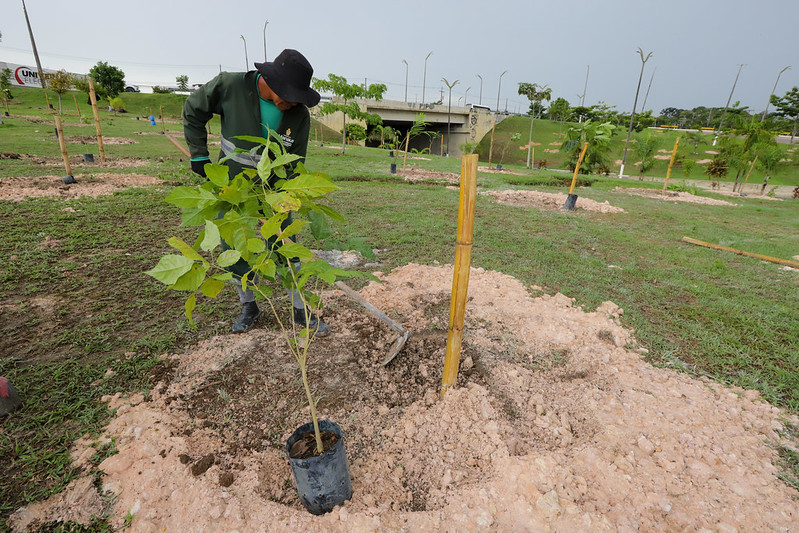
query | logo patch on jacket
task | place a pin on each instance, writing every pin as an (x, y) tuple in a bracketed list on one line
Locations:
[(288, 142)]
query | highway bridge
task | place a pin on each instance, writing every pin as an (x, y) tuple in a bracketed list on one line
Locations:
[(464, 123)]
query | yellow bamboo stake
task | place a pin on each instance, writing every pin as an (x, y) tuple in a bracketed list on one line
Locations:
[(93, 98), (76, 105), (747, 174), (163, 127), (787, 262), (47, 98), (63, 145), (577, 168), (405, 158), (671, 164), (491, 144), (460, 277)]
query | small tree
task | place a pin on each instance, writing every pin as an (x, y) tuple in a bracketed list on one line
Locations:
[(60, 82), (108, 79), (535, 94), (355, 133), (348, 91), (183, 82), (788, 107), (382, 135), (716, 170), (5, 86), (768, 159), (645, 149), (694, 138), (598, 137), (117, 103), (559, 109)]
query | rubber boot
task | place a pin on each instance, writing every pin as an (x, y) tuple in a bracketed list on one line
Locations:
[(314, 323), (249, 314)]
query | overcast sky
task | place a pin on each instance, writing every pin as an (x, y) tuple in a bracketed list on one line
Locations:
[(697, 45)]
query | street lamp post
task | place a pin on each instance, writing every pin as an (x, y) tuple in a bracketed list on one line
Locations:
[(635, 102), (449, 107), (480, 101), (727, 106), (406, 80), (265, 23), (772, 92), (499, 89), (424, 78), (466, 96), (246, 60)]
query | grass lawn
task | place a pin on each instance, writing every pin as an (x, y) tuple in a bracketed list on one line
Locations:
[(75, 303)]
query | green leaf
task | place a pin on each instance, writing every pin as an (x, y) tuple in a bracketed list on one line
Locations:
[(218, 174), (211, 239), (270, 227), (283, 202), (197, 217), (212, 287), (311, 185), (191, 303), (190, 197), (185, 249), (256, 245), (292, 229), (326, 210), (319, 226), (224, 276), (291, 250), (231, 194), (267, 269), (252, 139), (228, 258), (170, 268), (191, 280)]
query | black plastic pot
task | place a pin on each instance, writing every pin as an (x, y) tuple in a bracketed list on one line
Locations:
[(323, 482), (393, 168), (68, 179), (391, 153), (571, 200), (499, 166), (88, 158)]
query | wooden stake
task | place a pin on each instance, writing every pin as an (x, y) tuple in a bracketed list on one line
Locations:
[(179, 146), (577, 168), (460, 277), (787, 262), (671, 164), (47, 98), (163, 127), (76, 105), (747, 174), (63, 145), (93, 98), (405, 159), (491, 145)]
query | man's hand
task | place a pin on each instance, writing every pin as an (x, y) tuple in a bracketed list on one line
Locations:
[(198, 167)]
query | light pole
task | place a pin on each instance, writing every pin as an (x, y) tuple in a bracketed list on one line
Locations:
[(466, 96), (424, 78), (585, 87), (265, 23), (33, 45), (246, 60), (499, 89), (449, 107), (406, 80), (635, 102), (772, 92), (646, 96), (724, 115), (480, 102)]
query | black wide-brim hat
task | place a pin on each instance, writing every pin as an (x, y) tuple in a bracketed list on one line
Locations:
[(289, 76)]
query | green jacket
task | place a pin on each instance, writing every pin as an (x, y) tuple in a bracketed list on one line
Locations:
[(234, 97)]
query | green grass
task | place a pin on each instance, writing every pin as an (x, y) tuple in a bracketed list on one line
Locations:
[(74, 310)]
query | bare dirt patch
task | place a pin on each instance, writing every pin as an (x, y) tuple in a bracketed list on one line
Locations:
[(556, 425), (17, 189), (418, 175), (672, 196), (92, 139), (549, 200)]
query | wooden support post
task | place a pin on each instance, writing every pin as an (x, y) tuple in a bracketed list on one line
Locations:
[(671, 164), (47, 99), (491, 144), (161, 111), (76, 105), (460, 276), (62, 143), (787, 262), (577, 168), (405, 159), (747, 174), (93, 98)]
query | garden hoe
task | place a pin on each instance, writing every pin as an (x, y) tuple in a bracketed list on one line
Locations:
[(402, 333)]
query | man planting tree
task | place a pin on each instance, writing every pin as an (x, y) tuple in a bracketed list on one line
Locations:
[(273, 98)]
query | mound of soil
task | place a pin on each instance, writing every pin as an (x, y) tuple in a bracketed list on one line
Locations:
[(548, 200), (556, 425), (17, 189), (672, 196)]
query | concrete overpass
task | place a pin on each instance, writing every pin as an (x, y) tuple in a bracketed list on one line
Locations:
[(466, 124)]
